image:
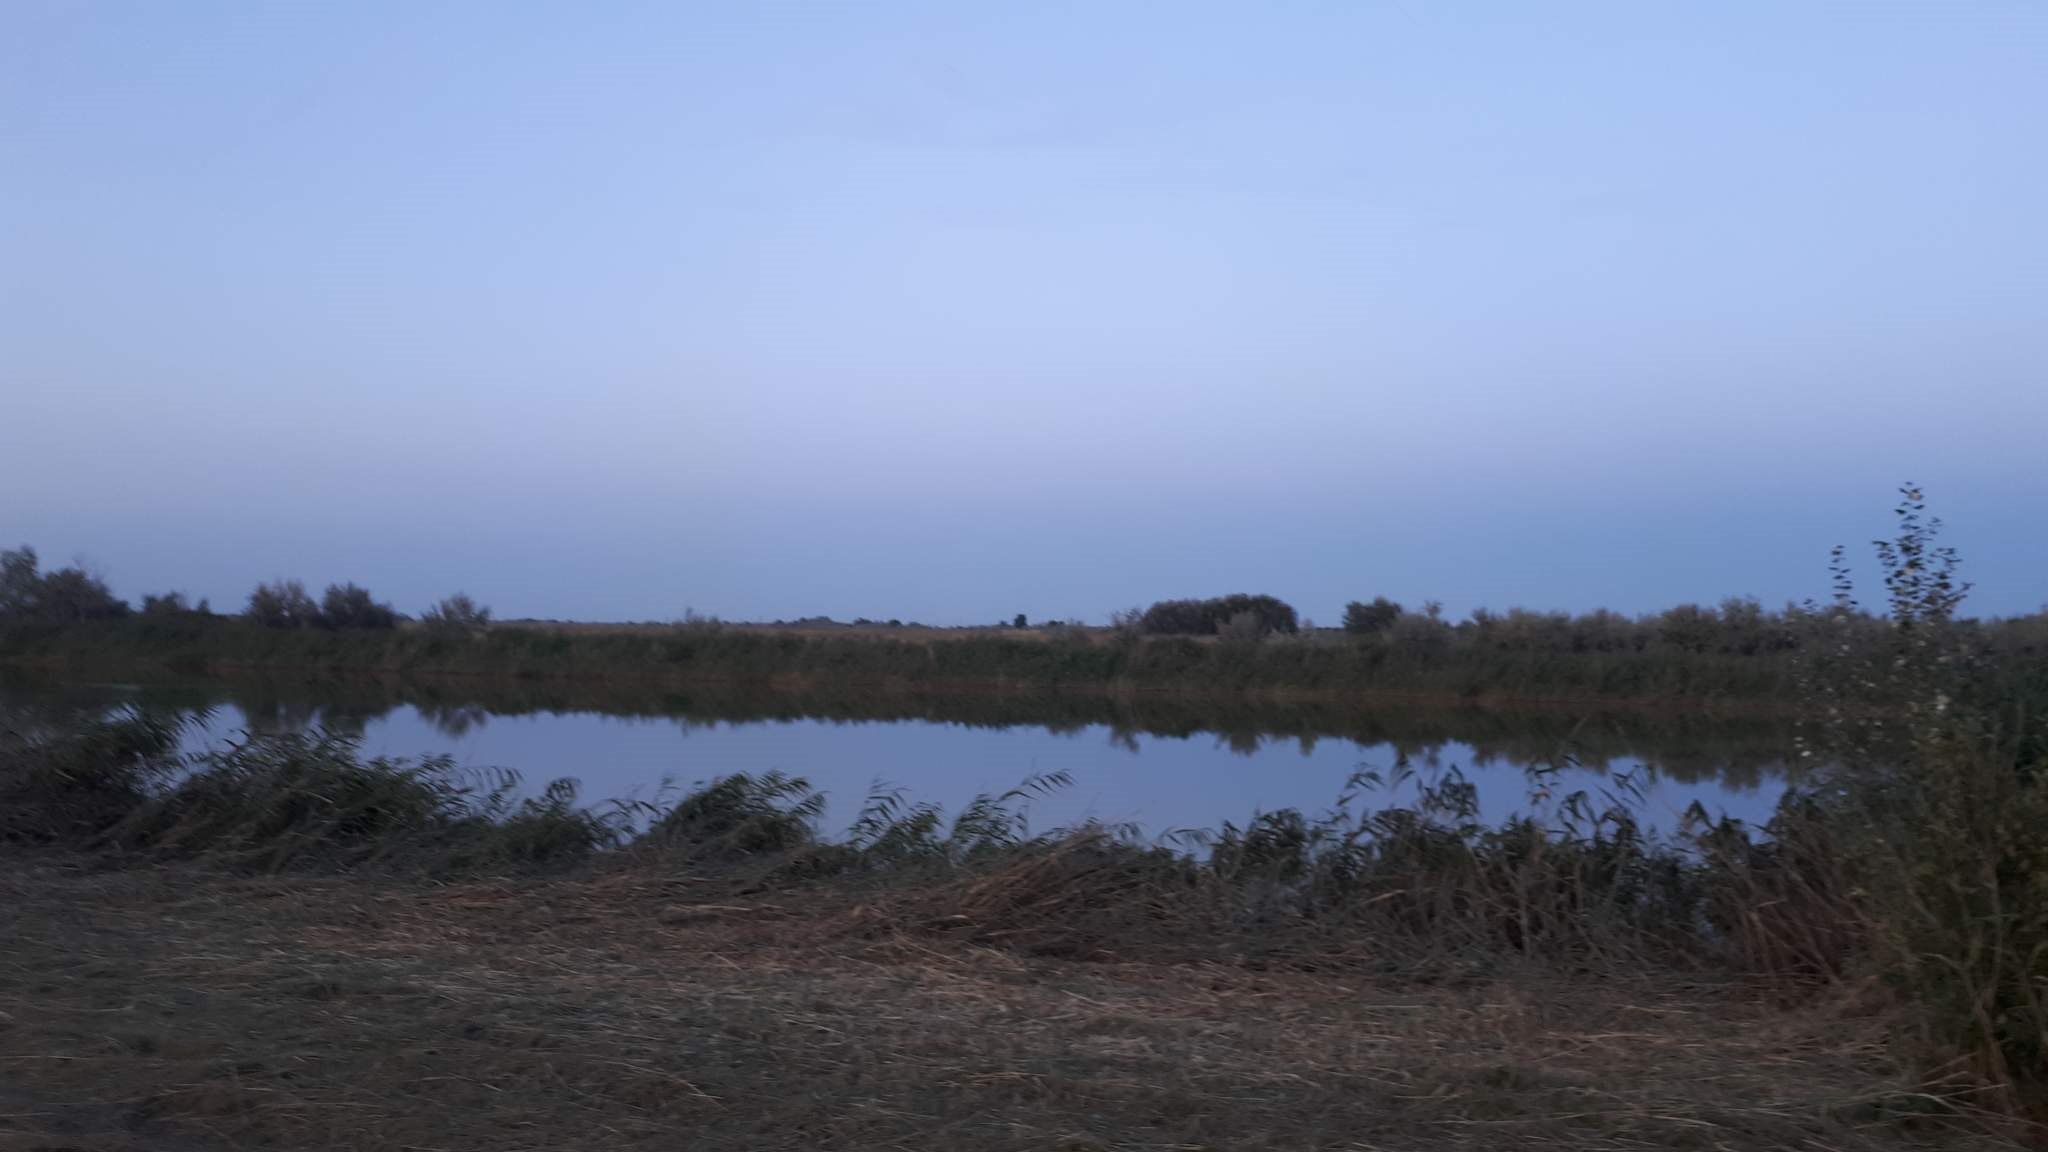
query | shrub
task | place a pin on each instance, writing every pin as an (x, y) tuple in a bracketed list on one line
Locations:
[(347, 606), (1245, 629), (72, 594), (64, 596), (168, 604), (1935, 808), (1420, 637), (1689, 628), (19, 581), (282, 604), (457, 613), (1207, 617), (1362, 619)]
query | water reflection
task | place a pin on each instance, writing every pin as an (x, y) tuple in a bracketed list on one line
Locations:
[(1163, 761)]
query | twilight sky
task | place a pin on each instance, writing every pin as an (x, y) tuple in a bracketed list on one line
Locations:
[(951, 311)]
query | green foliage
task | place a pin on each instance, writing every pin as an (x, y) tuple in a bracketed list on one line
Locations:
[(1207, 617)]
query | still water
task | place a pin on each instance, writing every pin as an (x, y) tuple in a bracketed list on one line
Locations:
[(1161, 765)]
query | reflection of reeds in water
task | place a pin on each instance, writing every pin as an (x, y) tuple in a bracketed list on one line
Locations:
[(1688, 746)]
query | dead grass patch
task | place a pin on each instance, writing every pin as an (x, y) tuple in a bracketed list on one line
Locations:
[(181, 1008)]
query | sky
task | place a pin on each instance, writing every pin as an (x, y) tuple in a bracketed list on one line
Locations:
[(952, 311)]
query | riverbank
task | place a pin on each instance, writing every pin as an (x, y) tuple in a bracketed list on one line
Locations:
[(1445, 665), (180, 1007), (1741, 742), (1376, 893)]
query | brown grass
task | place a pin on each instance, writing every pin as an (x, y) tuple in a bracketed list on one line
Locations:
[(177, 1008)]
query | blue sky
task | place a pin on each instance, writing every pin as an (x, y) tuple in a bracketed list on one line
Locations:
[(948, 311)]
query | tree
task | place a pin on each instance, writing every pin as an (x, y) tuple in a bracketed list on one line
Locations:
[(1362, 619), (1207, 617), (168, 604), (19, 581), (1243, 630), (457, 613), (283, 604), (350, 606), (72, 594), (62, 597), (1689, 628), (1020, 622)]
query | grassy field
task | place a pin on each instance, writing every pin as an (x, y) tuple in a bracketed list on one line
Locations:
[(178, 1007)]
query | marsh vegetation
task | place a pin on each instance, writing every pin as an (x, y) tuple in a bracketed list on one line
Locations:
[(1903, 879)]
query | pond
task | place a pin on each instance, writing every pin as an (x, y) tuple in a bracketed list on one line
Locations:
[(1160, 764)]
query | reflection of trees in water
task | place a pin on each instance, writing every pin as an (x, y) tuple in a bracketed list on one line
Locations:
[(1688, 747), (1737, 754), (274, 713), (454, 720)]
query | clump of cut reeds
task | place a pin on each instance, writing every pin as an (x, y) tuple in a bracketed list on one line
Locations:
[(279, 800), (738, 816), (892, 829), (283, 798), (69, 784)]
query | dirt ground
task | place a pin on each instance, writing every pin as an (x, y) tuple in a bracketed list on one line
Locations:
[(173, 1008)]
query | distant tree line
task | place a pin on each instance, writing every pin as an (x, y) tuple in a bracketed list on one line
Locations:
[(1381, 640), (1737, 627), (69, 595), (351, 607), (60, 597), (344, 607)]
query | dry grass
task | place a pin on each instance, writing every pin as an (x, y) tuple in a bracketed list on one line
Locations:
[(177, 1008), (801, 628)]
